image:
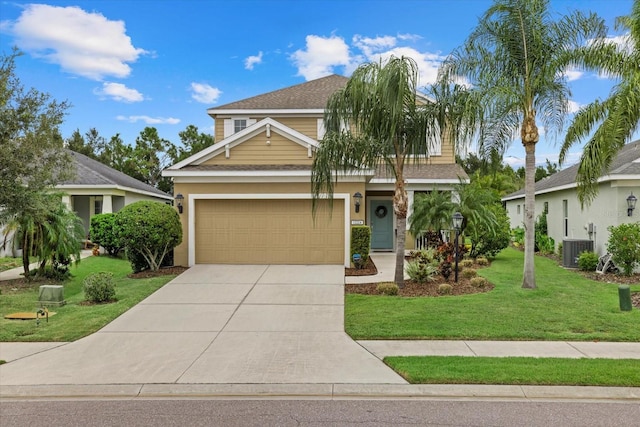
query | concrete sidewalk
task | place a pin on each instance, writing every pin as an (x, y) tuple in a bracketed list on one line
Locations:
[(18, 272)]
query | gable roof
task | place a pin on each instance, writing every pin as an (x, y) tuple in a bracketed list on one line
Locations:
[(90, 172), (243, 135), (626, 163), (311, 95)]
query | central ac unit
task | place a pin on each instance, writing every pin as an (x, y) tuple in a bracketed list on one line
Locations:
[(571, 250)]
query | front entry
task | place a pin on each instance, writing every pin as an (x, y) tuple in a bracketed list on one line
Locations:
[(381, 221)]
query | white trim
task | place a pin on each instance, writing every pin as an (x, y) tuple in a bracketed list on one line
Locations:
[(242, 136), (254, 179), (191, 200), (355, 176), (417, 181), (69, 188)]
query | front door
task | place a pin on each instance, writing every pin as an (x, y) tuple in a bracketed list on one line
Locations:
[(381, 221)]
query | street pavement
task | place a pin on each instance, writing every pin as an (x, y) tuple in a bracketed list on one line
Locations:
[(256, 330)]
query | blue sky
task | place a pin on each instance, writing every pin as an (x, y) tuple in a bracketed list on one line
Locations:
[(127, 64)]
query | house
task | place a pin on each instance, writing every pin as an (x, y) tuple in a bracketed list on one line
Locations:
[(556, 194), (97, 188), (247, 198)]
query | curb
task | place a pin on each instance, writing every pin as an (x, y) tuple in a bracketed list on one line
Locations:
[(321, 391)]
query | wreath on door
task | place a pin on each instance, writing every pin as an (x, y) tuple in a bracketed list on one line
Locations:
[(381, 211)]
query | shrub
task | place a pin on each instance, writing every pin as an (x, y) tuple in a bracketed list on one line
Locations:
[(149, 230), (588, 261), (361, 241), (421, 272), (479, 282), (560, 250), (490, 236), (103, 232), (517, 236), (466, 263), (444, 289), (469, 273), (483, 261), (624, 246), (99, 287), (387, 288), (545, 244)]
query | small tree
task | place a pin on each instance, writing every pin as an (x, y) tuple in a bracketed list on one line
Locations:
[(151, 229), (624, 245), (103, 233)]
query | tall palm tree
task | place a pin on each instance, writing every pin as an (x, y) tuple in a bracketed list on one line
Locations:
[(617, 117), (516, 58), (388, 125)]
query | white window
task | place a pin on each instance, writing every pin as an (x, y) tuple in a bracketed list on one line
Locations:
[(435, 148), (320, 129), (518, 208), (236, 124)]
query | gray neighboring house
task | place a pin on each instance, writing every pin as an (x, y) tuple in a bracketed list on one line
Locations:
[(567, 220), (97, 188)]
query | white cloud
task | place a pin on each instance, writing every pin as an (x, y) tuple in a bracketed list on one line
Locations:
[(253, 60), (573, 74), (369, 46), (574, 107), (428, 63), (149, 120), (205, 93), (82, 43), (119, 92), (321, 56)]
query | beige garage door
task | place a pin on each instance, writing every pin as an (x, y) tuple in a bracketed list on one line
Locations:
[(268, 232)]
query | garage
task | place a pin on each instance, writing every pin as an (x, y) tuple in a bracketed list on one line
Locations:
[(268, 231)]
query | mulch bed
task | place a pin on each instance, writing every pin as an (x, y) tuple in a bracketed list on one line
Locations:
[(164, 271), (415, 289)]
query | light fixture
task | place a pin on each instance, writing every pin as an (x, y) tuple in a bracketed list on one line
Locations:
[(457, 225), (179, 200), (631, 204), (357, 198)]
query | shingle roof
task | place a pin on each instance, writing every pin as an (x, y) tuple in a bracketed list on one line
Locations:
[(625, 163), (92, 172), (411, 171), (416, 171), (313, 94)]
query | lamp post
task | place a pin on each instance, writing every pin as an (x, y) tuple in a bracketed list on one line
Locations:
[(457, 224), (179, 200), (357, 198)]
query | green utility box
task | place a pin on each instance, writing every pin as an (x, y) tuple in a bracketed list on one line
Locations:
[(51, 296)]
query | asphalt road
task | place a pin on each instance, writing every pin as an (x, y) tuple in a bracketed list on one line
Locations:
[(217, 412)]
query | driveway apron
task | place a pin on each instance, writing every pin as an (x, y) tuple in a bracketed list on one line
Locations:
[(217, 324)]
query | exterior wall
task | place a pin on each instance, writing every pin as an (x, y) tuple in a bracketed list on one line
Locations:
[(305, 125), (181, 254), (608, 209), (81, 208), (256, 151)]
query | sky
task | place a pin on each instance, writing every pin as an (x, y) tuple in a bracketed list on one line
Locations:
[(127, 64)]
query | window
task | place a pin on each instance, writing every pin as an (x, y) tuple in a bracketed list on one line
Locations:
[(546, 208), (239, 124), (565, 215), (518, 207), (97, 206)]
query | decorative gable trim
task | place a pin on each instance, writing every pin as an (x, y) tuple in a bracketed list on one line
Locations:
[(239, 137)]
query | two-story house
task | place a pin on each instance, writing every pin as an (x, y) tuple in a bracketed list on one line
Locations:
[(247, 198)]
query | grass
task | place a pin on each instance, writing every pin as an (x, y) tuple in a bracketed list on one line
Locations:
[(516, 370), (74, 320), (7, 263), (566, 306)]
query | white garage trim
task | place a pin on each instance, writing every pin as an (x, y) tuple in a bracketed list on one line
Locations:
[(295, 196)]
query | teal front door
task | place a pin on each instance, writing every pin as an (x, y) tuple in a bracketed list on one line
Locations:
[(381, 221)]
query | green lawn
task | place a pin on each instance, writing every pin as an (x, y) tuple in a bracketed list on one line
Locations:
[(73, 320), (517, 370), (7, 263), (565, 306)]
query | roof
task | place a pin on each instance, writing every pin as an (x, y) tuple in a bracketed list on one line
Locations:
[(431, 172), (313, 94), (626, 162), (92, 172)]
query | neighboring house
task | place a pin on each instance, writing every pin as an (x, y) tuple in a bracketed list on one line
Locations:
[(247, 198), (566, 220), (97, 188)]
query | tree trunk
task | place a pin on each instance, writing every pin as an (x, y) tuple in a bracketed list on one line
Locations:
[(25, 255), (529, 140), (400, 206)]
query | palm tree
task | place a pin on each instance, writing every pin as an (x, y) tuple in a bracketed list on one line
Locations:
[(516, 59), (618, 116), (388, 125), (431, 212)]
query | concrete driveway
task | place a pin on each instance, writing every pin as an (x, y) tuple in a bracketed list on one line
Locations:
[(219, 324)]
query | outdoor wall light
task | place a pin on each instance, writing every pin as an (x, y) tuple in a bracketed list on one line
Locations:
[(631, 204), (179, 200), (357, 198), (457, 225)]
